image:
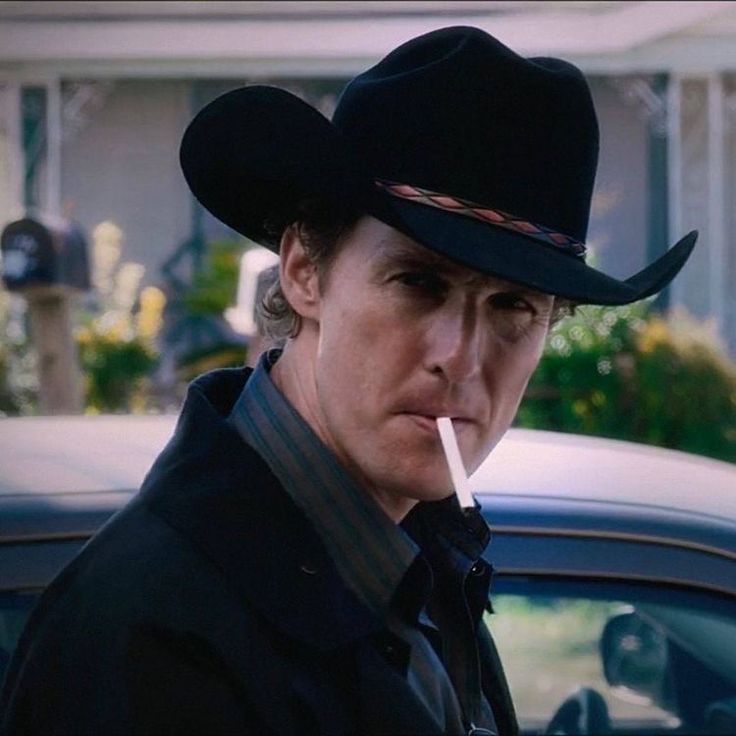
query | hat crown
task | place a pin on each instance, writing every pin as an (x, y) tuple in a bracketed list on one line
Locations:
[(456, 111)]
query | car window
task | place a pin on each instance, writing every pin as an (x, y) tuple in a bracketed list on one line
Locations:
[(14, 610), (637, 659)]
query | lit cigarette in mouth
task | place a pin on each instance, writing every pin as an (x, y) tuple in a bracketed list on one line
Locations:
[(455, 462)]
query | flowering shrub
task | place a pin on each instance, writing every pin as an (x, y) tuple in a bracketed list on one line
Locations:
[(624, 373), (212, 291), (117, 336), (18, 363), (117, 351)]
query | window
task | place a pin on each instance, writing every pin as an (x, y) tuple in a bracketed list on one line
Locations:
[(645, 659)]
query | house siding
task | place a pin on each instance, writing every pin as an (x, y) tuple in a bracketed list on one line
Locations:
[(122, 165)]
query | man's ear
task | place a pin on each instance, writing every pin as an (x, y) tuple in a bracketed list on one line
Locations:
[(298, 274)]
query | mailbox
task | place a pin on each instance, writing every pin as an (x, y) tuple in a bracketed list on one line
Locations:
[(38, 254)]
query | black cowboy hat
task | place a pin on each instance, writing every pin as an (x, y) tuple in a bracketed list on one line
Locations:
[(470, 149)]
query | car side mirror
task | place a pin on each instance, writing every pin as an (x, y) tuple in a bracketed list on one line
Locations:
[(635, 656)]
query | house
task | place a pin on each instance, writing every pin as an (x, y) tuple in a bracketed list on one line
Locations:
[(94, 97)]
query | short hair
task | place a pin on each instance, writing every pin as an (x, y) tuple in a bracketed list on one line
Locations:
[(322, 227)]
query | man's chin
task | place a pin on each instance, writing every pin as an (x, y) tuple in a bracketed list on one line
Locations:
[(431, 490)]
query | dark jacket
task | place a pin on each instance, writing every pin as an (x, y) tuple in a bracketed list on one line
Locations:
[(209, 606)]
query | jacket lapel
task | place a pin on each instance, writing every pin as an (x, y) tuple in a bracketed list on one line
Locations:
[(387, 706), (495, 686), (236, 513), (217, 491)]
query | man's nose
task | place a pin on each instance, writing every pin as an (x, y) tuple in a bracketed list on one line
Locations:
[(455, 345)]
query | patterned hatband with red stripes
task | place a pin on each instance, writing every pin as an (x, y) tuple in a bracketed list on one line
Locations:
[(484, 214)]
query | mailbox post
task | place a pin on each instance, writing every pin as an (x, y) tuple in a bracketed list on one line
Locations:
[(48, 265)]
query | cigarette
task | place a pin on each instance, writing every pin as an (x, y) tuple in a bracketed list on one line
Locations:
[(455, 462)]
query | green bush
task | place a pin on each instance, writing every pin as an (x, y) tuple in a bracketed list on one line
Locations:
[(18, 369), (214, 287), (629, 374), (113, 371), (117, 351)]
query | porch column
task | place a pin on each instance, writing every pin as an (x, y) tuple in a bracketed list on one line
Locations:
[(729, 117), (11, 153), (53, 151), (698, 170)]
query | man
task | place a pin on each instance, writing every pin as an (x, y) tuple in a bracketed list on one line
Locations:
[(296, 561)]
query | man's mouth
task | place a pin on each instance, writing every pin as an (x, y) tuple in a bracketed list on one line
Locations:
[(428, 421)]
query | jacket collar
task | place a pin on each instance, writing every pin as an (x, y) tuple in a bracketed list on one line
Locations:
[(218, 493)]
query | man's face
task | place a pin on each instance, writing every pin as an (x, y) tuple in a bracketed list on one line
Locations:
[(402, 336)]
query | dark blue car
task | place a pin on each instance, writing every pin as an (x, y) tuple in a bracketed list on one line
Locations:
[(614, 599)]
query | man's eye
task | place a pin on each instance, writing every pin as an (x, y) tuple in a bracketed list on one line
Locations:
[(420, 280), (511, 302)]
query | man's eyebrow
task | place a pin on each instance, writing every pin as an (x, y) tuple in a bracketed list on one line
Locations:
[(408, 256), (412, 257)]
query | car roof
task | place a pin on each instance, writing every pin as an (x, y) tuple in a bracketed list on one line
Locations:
[(97, 454), (79, 454), (537, 463), (62, 477)]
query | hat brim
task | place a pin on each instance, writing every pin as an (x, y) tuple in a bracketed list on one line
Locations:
[(256, 149), (515, 257)]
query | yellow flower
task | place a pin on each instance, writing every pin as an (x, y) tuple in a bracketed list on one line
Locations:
[(654, 333), (118, 330), (149, 317), (598, 398), (83, 335)]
